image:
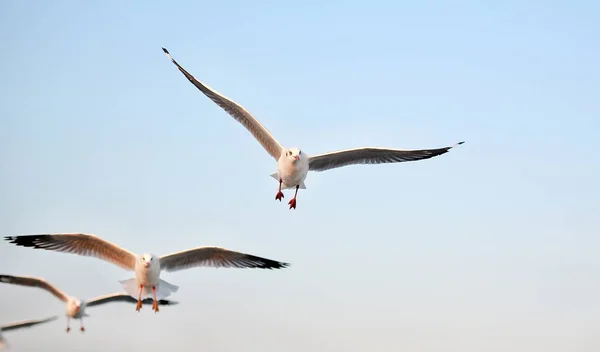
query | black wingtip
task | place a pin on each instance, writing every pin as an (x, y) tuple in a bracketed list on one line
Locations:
[(166, 302), (273, 265), (11, 239), (282, 265), (166, 51), (456, 145), (24, 240), (6, 278)]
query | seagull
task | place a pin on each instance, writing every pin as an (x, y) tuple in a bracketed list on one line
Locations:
[(75, 306), (292, 164), (147, 267), (20, 325)]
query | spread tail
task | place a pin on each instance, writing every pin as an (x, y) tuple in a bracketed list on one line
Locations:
[(131, 287), (163, 289), (302, 185)]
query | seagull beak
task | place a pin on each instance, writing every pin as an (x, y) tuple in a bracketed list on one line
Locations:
[(147, 264), (77, 309), (296, 157)]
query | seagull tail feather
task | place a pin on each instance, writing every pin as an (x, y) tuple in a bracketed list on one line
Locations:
[(164, 289), (132, 288)]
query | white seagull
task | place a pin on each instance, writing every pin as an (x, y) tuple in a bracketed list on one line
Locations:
[(147, 266), (292, 164), (75, 308), (20, 325)]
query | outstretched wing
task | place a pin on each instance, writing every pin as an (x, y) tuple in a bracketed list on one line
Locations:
[(243, 116), (371, 156), (216, 257), (34, 282), (124, 297), (26, 323), (78, 243)]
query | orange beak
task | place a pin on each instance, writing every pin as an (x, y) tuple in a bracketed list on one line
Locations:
[(77, 309), (147, 264), (296, 157)]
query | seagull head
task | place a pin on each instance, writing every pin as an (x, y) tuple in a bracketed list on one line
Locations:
[(75, 305), (293, 154), (147, 259)]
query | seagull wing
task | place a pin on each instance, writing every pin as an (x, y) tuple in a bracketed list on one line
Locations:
[(371, 156), (34, 282), (262, 135), (78, 243), (216, 257), (124, 297), (26, 323)]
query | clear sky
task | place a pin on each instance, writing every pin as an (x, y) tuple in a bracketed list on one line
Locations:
[(490, 247)]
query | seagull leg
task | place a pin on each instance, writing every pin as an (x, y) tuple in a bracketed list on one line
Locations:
[(292, 201), (82, 329), (279, 195), (139, 302), (68, 322), (155, 303)]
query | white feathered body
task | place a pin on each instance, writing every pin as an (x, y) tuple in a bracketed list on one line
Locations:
[(148, 277), (71, 308), (292, 173)]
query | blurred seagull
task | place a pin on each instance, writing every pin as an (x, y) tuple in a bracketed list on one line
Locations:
[(292, 164), (75, 306), (20, 325), (147, 267)]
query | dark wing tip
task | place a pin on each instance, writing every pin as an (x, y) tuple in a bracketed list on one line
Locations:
[(459, 143), (167, 302), (25, 240), (275, 265), (161, 302), (166, 51), (6, 278), (264, 263)]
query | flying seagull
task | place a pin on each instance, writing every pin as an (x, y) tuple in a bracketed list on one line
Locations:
[(75, 306), (20, 325), (292, 164), (147, 267)]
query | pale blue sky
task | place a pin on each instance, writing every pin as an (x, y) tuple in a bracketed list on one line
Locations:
[(490, 247)]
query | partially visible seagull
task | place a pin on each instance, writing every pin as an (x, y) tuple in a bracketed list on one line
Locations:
[(292, 164), (147, 266), (75, 306), (20, 325)]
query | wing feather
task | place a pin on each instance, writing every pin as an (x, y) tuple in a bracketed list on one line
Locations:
[(241, 115), (125, 297), (216, 257), (371, 156), (34, 282), (26, 323), (78, 243)]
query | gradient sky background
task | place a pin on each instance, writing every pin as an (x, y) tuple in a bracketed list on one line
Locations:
[(490, 247)]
